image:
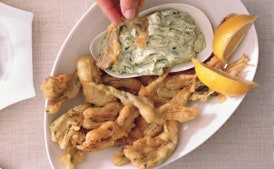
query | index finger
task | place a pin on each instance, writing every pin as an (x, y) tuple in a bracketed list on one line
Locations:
[(111, 9)]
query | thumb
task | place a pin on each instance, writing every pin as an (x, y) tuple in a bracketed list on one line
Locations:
[(129, 8)]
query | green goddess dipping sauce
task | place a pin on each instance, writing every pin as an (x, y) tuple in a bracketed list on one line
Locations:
[(173, 39)]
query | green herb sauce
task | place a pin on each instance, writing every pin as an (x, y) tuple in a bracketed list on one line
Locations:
[(173, 39)]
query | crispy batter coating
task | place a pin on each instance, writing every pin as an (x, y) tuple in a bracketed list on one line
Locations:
[(102, 137), (120, 159), (88, 73), (236, 67), (72, 157), (182, 96), (141, 129), (214, 61), (87, 70), (112, 49), (146, 80), (164, 92), (132, 85), (150, 90), (149, 152), (95, 116), (176, 108), (173, 111), (201, 96), (126, 118), (144, 105), (178, 81), (58, 89), (54, 87), (95, 95), (66, 127)]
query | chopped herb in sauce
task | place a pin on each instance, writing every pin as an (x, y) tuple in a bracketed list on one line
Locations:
[(173, 39)]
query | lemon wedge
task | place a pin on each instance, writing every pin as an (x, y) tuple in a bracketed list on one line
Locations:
[(221, 81), (230, 33)]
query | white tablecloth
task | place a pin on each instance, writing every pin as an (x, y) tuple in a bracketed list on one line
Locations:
[(245, 141)]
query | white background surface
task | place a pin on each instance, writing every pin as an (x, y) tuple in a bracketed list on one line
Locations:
[(244, 142)]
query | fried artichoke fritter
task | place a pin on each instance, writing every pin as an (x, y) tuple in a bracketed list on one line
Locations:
[(95, 95), (120, 159), (88, 73), (102, 137), (58, 89), (149, 152), (141, 129), (237, 66), (173, 111), (72, 157), (178, 81), (144, 105), (132, 85), (150, 90), (87, 70), (127, 117), (95, 116), (112, 49), (66, 127)]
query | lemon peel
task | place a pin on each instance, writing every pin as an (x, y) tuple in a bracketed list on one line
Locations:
[(230, 33)]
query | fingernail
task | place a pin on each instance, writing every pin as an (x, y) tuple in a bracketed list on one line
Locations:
[(129, 13)]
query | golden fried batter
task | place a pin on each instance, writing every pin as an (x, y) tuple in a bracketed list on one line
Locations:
[(102, 137), (65, 128), (149, 152), (126, 118), (164, 92), (151, 89), (112, 49), (178, 81), (58, 89), (182, 96), (72, 157), (144, 105), (120, 159), (88, 73), (87, 70), (141, 129), (95, 116), (237, 66), (132, 85), (95, 95), (176, 108), (173, 111)]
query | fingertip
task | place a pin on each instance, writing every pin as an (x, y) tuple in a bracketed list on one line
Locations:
[(129, 13), (111, 10), (129, 8)]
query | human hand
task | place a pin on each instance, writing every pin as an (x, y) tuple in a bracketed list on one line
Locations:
[(115, 9)]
